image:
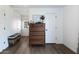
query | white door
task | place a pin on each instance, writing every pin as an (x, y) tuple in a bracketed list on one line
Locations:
[(50, 28), (2, 32)]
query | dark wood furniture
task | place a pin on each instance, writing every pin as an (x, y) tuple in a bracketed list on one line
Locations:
[(37, 34), (13, 39)]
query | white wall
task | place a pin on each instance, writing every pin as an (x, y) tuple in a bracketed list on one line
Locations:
[(12, 23), (71, 17), (59, 20), (43, 11), (58, 11)]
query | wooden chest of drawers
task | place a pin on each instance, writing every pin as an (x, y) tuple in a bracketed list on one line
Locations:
[(37, 34)]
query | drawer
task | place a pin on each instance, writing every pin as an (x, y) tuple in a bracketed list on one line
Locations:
[(37, 33), (37, 25), (36, 29), (37, 37), (35, 41)]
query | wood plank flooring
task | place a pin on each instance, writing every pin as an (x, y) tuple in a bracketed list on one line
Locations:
[(22, 47)]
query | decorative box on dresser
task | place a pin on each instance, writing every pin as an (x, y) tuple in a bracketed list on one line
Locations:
[(37, 34)]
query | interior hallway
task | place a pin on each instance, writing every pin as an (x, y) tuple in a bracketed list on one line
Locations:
[(22, 47)]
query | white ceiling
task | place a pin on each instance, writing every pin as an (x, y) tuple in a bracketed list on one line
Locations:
[(23, 9), (36, 6)]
